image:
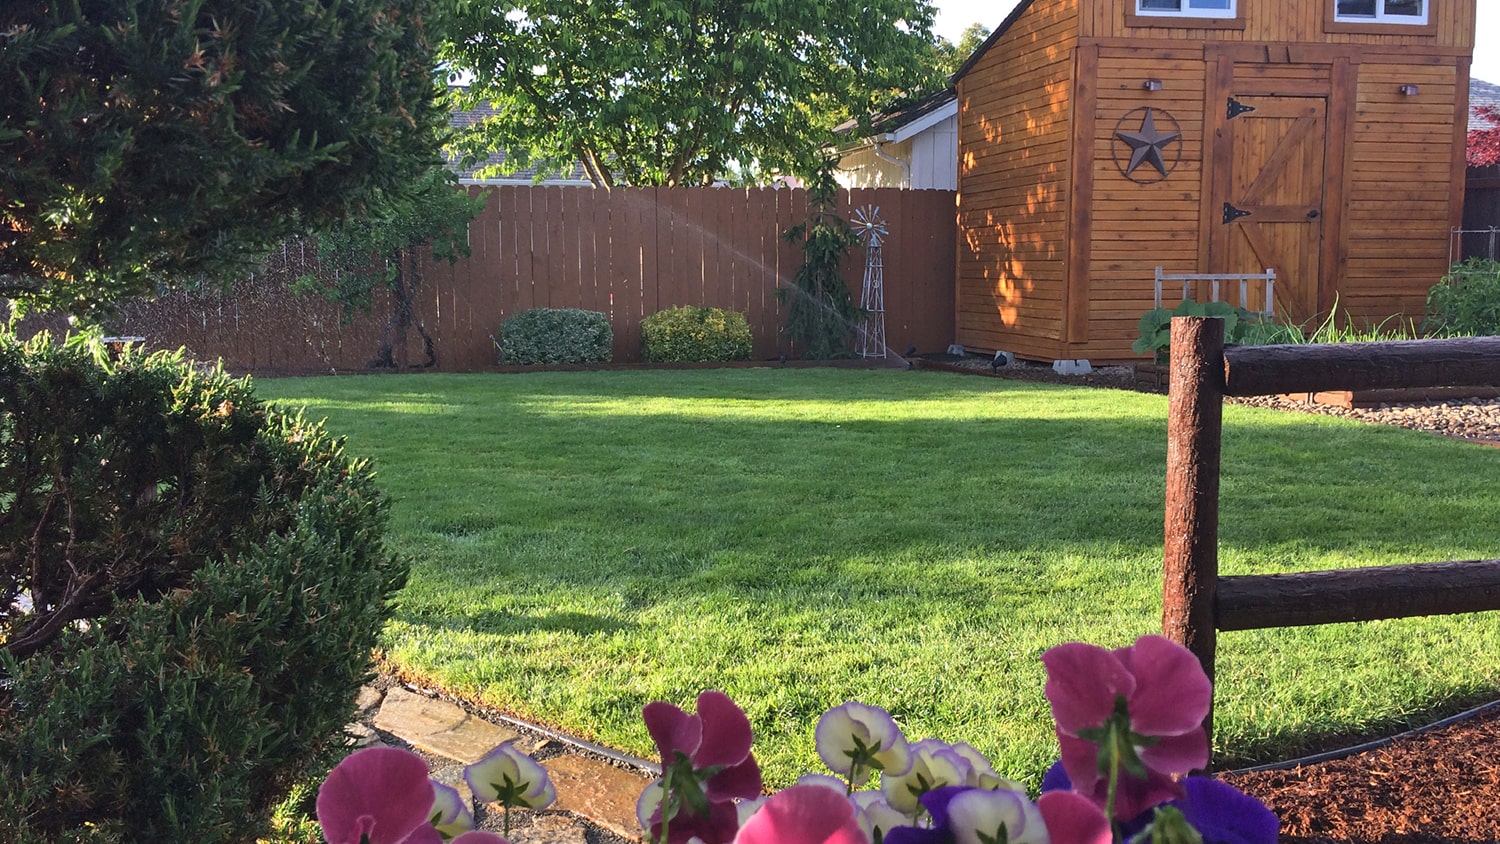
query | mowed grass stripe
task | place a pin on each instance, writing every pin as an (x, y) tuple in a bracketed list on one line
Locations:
[(584, 543)]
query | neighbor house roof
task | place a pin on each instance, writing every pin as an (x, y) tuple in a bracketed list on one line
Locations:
[(1482, 94), (903, 122), (525, 176)]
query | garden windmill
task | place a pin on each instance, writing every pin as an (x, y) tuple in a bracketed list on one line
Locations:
[(872, 231)]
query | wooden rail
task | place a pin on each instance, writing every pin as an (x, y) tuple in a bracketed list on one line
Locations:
[(1196, 602)]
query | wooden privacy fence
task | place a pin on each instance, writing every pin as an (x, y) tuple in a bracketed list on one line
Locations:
[(1196, 601), (628, 253)]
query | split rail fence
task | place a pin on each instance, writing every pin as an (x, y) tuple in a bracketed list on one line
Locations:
[(1196, 601), (627, 252)]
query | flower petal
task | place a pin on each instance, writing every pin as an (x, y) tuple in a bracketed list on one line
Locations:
[(1074, 819), (1223, 814), (1133, 795), (506, 774), (1172, 695), (1082, 683), (873, 812), (977, 813), (839, 727), (737, 782), (725, 731), (803, 814), (426, 834), (673, 730), (479, 837), (1080, 764), (1177, 754), (449, 815), (379, 792)]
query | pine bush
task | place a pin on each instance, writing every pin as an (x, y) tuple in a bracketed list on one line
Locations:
[(191, 586)]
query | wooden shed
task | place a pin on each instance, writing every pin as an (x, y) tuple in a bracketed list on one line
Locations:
[(1099, 139)]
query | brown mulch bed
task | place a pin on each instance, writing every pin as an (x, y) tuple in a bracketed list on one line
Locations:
[(1442, 785)]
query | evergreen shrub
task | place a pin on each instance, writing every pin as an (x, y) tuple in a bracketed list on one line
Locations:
[(191, 586), (691, 335), (554, 336)]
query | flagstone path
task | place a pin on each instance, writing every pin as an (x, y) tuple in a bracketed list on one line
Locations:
[(595, 797)]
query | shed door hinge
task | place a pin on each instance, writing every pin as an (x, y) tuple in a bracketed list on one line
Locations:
[(1236, 108)]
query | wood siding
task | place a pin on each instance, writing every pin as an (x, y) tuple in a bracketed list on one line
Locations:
[(1352, 184), (628, 253), (1015, 111), (1136, 227), (1286, 22), (1403, 196)]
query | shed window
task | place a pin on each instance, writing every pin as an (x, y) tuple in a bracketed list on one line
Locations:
[(1380, 11), (1190, 8)]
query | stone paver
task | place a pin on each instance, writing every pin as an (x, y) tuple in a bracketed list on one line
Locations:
[(598, 791), (363, 735), (438, 726), (546, 828), (369, 698)]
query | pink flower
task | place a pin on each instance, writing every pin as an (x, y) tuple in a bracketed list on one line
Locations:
[(803, 814), (706, 764), (719, 735), (379, 794), (1072, 818), (1160, 686)]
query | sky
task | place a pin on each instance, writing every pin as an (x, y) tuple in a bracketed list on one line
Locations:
[(954, 15)]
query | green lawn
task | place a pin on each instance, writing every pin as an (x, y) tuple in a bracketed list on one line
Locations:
[(584, 543)]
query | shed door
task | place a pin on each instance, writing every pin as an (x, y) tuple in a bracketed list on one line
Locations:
[(1270, 184)]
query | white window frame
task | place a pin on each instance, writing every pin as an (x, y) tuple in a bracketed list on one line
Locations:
[(1382, 18), (1188, 12)]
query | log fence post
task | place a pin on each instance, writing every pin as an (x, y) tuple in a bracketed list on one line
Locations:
[(1191, 547)]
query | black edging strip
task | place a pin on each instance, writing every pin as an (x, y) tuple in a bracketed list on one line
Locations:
[(1330, 755)]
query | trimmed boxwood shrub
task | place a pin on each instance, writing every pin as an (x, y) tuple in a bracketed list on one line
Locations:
[(555, 335), (690, 334), (191, 586)]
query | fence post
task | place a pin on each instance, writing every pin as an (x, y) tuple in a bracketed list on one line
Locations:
[(1191, 546)]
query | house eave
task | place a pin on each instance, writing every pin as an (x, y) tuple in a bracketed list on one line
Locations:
[(923, 123)]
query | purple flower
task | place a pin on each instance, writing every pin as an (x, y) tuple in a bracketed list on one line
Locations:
[(969, 815), (380, 795), (1223, 814), (1142, 705)]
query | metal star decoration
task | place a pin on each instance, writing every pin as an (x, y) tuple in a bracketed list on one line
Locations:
[(1147, 145)]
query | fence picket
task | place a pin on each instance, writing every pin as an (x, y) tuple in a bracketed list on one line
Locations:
[(628, 252)]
